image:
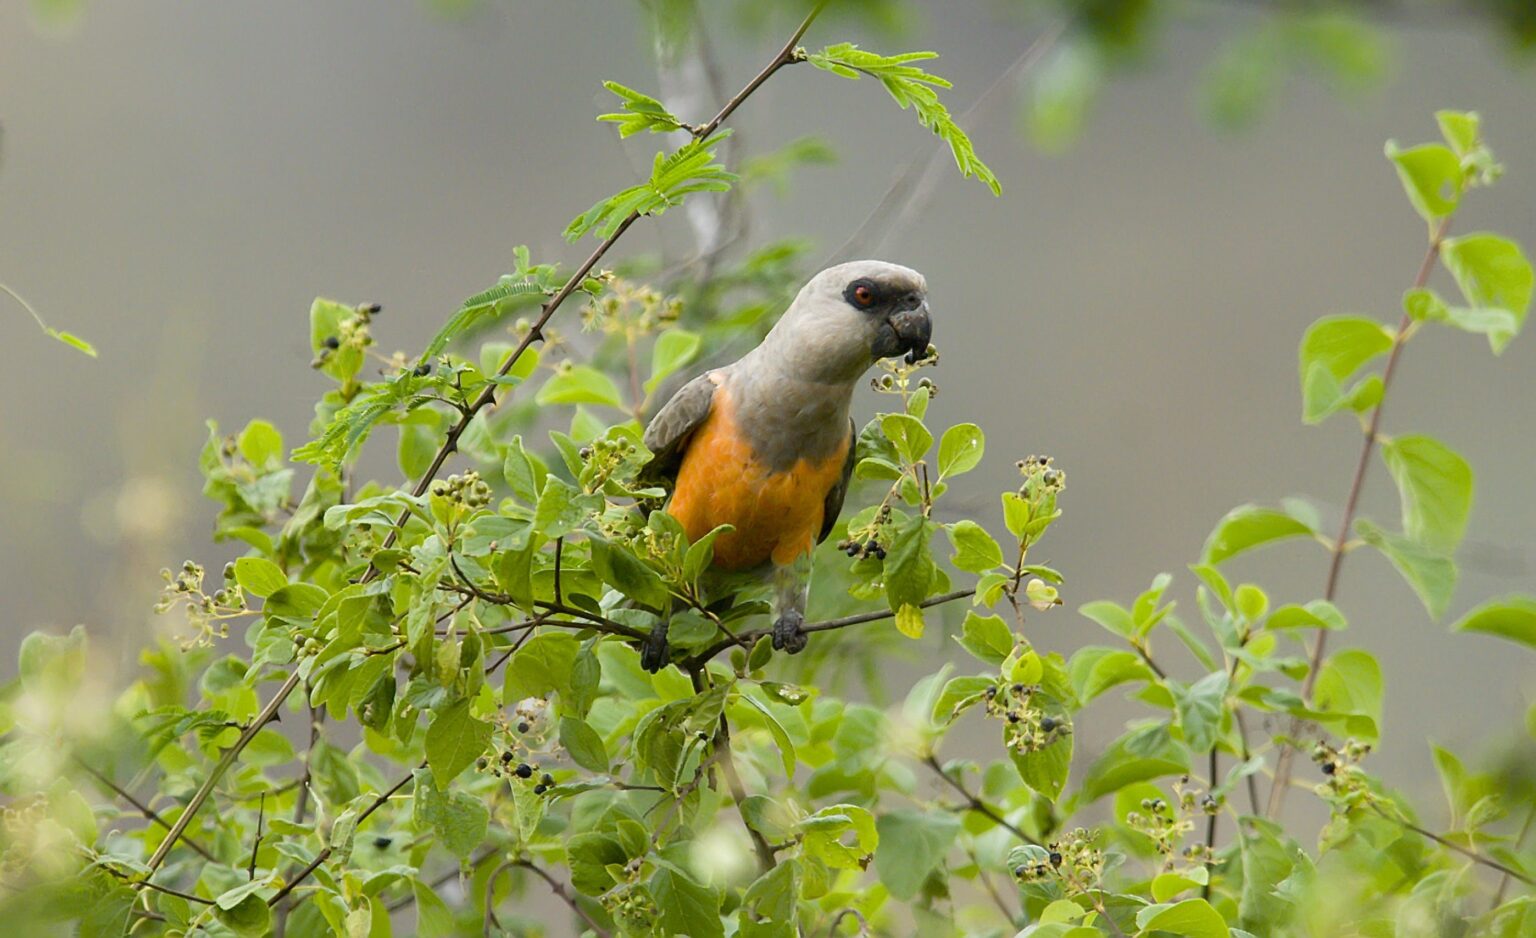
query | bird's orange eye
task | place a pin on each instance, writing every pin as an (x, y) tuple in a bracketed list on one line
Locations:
[(863, 294)]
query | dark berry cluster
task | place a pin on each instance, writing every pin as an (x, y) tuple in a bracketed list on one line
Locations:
[(865, 541), (1075, 861), (1030, 728), (351, 333)]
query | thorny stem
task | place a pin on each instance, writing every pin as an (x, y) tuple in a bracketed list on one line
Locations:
[(975, 803), (267, 714), (1283, 765)]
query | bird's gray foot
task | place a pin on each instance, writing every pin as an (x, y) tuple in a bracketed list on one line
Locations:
[(788, 634), (654, 651)]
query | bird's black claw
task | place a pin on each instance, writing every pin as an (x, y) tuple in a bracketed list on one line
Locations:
[(787, 633), (654, 651)]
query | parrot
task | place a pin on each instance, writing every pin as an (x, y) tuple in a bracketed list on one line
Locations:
[(766, 444)]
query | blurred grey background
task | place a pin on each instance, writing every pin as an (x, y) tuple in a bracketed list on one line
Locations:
[(180, 179)]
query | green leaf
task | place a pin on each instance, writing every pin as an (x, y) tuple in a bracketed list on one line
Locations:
[(618, 566), (1317, 614), (579, 384), (1332, 350), (908, 564), (912, 845), (68, 338), (1431, 574), (912, 87), (1436, 489), (1143, 753), (433, 917), (674, 349), (261, 445), (1095, 669), (1492, 271), (908, 435), (1167, 885), (975, 550), (1045, 770), (1192, 918), (691, 168), (1113, 616), (641, 112), (583, 744), (825, 831), (781, 738), (458, 819), (771, 901), (1512, 617), (259, 577), (960, 449), (1499, 325), (686, 907), (542, 665), (250, 918), (455, 740), (1248, 526), (986, 637), (1460, 130), (1200, 708), (1349, 683), (1431, 175)]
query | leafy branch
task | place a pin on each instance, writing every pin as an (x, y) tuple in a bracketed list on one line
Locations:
[(911, 87)]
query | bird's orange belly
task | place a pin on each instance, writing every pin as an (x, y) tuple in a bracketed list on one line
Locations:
[(776, 515)]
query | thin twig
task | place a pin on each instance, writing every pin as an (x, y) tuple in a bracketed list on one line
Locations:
[(748, 639), (325, 853), (722, 755), (857, 916), (146, 810), (1467, 852), (490, 898), (406, 901), (1525, 829), (1283, 764), (1210, 825), (558, 888), (976, 804), (910, 190)]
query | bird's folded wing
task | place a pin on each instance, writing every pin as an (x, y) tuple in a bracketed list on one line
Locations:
[(834, 503), (668, 433)]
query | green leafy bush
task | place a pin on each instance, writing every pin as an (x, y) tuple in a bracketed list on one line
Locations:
[(437, 709)]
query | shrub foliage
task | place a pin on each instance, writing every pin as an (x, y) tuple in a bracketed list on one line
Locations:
[(418, 707)]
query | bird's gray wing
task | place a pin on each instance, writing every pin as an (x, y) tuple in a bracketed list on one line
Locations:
[(834, 503), (669, 431)]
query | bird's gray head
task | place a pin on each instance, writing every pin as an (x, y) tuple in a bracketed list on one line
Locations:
[(849, 316)]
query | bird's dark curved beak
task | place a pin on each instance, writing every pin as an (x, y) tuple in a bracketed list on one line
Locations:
[(914, 331)]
